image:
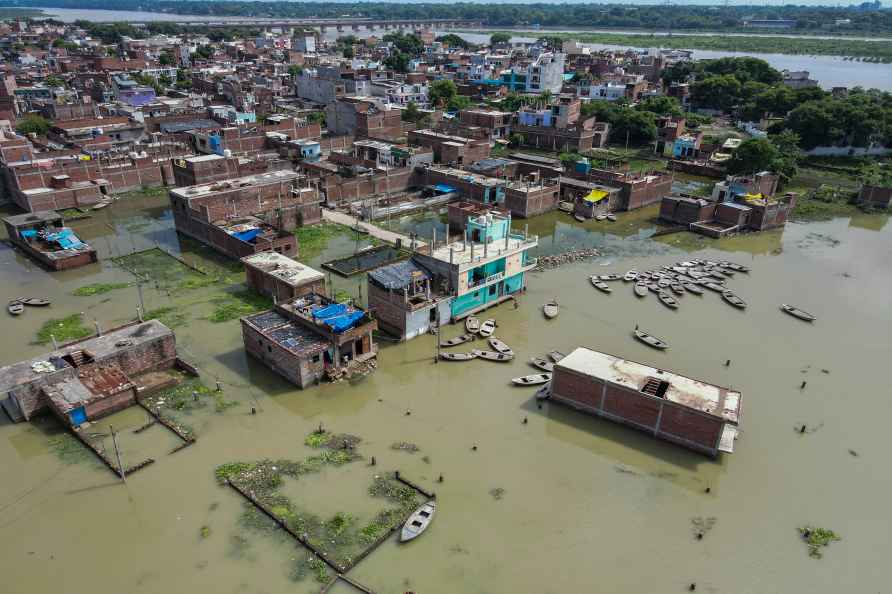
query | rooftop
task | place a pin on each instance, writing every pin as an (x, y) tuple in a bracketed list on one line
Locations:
[(283, 267), (260, 179), (692, 393), (462, 251), (287, 334)]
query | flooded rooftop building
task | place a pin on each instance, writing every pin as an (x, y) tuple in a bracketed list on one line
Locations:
[(310, 338), (689, 412), (46, 239), (280, 277), (404, 302)]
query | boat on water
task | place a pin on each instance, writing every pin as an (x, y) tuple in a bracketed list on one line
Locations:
[(677, 288), (472, 325), (487, 327), (651, 340), (551, 309), (499, 346), (607, 277), (544, 393), (418, 521), (15, 308), (579, 218), (667, 299), (641, 289), (714, 287), (458, 356), (737, 267), (601, 285), (543, 364), (691, 287), (601, 217), (733, 299), (565, 206), (630, 276), (798, 313), (33, 301), (664, 282), (555, 356), (532, 380), (611, 217), (494, 356), (653, 287), (457, 340)]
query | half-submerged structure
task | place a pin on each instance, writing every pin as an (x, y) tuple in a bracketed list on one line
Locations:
[(45, 238)]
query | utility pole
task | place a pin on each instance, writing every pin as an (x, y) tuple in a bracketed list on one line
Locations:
[(117, 453)]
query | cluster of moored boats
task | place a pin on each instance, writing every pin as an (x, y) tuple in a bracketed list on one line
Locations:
[(500, 352), (16, 307), (544, 364)]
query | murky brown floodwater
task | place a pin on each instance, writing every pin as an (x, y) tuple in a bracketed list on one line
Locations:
[(587, 506)]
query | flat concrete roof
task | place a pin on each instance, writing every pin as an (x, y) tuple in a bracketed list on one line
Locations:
[(30, 218), (275, 264), (261, 179), (461, 250), (692, 393)]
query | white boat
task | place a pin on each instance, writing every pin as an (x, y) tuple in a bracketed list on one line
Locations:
[(457, 340), (651, 340), (543, 364), (600, 285), (733, 299), (611, 217), (630, 276), (641, 289), (487, 328), (472, 325), (499, 346), (798, 313), (601, 217), (551, 309), (544, 392), (556, 356), (532, 380), (494, 356), (418, 521), (457, 356)]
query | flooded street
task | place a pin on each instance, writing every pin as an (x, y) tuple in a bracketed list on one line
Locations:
[(563, 503)]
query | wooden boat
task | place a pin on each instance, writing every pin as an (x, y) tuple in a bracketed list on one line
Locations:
[(544, 393), (601, 217), (737, 267), (650, 340), (664, 282), (579, 218), (696, 290), (457, 340), (607, 277), (667, 299), (601, 285), (458, 356), (472, 325), (611, 217), (733, 299), (543, 364), (34, 301), (677, 288), (653, 287), (487, 328), (418, 521), (565, 206), (499, 346), (100, 205), (641, 289), (798, 313), (494, 356), (714, 287), (532, 380), (555, 356), (15, 308), (551, 309), (630, 276)]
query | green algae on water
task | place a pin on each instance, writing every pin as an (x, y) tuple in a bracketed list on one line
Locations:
[(312, 239), (98, 289), (816, 539), (63, 329), (235, 305), (172, 317)]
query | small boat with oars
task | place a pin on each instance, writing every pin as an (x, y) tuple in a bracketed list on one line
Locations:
[(667, 299), (601, 217), (551, 309), (737, 267), (418, 521), (692, 288), (458, 356), (677, 288), (457, 340), (611, 217), (472, 325), (487, 328), (15, 308), (543, 364), (536, 379), (608, 277), (544, 393), (653, 287), (650, 340), (555, 356), (601, 285), (714, 287), (494, 356), (499, 346), (33, 301), (565, 206), (732, 298), (579, 218), (798, 313), (641, 289), (630, 276)]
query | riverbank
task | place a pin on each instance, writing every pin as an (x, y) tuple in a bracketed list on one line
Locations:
[(853, 49)]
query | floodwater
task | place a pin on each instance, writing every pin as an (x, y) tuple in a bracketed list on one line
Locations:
[(587, 505)]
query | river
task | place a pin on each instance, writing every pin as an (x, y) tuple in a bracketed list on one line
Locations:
[(563, 503)]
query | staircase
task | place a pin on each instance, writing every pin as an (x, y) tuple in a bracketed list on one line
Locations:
[(77, 358), (651, 387)]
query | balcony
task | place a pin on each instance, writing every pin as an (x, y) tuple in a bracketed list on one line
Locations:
[(489, 279)]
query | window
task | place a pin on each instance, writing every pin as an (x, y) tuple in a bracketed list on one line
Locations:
[(492, 290), (269, 349), (315, 358)]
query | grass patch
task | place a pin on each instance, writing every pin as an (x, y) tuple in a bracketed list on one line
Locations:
[(168, 273), (170, 316), (98, 289), (74, 214), (312, 239), (63, 329), (824, 202), (342, 296), (816, 539), (185, 398), (238, 304), (317, 438)]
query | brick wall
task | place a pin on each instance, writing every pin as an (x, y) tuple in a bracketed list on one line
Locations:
[(299, 372), (528, 204), (277, 288)]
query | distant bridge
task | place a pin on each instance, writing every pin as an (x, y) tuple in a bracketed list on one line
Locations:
[(340, 24)]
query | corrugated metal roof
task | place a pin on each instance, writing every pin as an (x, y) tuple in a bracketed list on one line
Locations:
[(398, 275)]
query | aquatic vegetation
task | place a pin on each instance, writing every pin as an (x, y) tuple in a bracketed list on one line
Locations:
[(68, 449), (241, 303), (172, 317), (816, 539), (497, 493), (312, 239), (185, 396), (205, 531), (405, 446), (63, 329), (166, 272), (317, 438), (98, 289)]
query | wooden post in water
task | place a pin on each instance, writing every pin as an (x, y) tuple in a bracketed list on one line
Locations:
[(117, 453), (437, 358)]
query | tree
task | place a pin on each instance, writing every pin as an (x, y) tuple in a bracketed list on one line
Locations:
[(788, 154), (516, 139), (165, 59), (205, 51), (441, 92), (295, 70), (33, 124), (407, 44), (664, 106), (497, 38), (411, 113), (458, 103), (316, 117), (453, 40), (397, 61), (54, 81), (717, 92), (743, 69), (638, 126), (348, 53), (815, 124), (755, 154)]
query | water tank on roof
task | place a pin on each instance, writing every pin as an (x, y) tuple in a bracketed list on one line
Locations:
[(227, 153)]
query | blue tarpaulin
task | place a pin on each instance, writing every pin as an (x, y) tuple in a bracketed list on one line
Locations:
[(29, 233), (345, 322), (66, 239), (330, 311), (445, 188), (247, 235)]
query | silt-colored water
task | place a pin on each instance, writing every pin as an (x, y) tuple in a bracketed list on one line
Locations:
[(588, 506)]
